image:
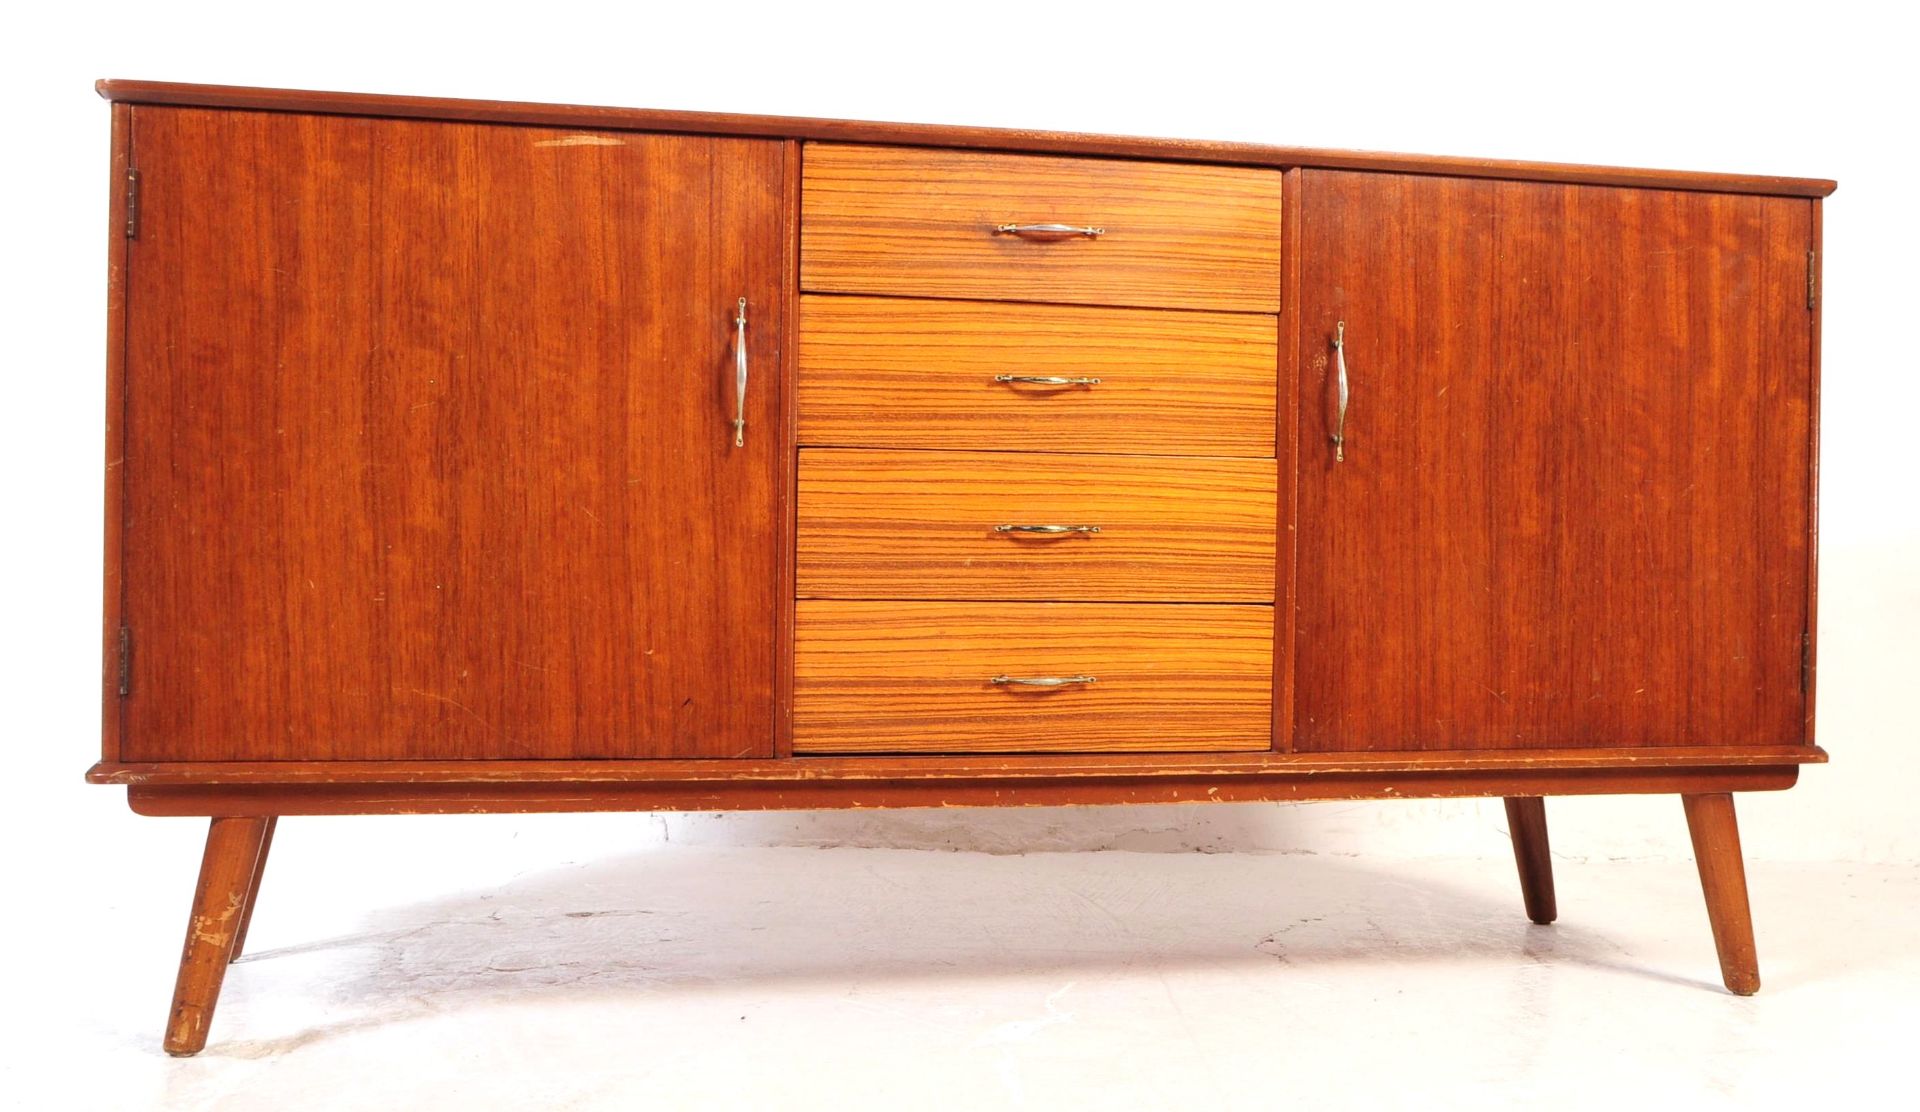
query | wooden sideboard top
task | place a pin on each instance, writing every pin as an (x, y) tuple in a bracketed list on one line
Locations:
[(934, 135)]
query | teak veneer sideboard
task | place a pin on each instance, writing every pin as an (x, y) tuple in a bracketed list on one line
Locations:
[(473, 456)]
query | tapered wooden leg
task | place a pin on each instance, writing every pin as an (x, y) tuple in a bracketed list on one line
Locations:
[(253, 891), (1527, 820), (1716, 849), (226, 871)]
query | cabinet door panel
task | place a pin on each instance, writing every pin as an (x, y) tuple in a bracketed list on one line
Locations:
[(429, 447), (1574, 504)]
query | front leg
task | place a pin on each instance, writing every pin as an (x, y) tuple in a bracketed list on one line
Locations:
[(220, 902), (1723, 877), (1527, 822)]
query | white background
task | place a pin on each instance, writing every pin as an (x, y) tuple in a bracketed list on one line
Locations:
[(1815, 90)]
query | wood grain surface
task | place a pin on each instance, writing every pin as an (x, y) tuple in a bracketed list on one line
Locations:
[(112, 644), (891, 677), (823, 791), (786, 467), (1574, 508), (920, 222), (1287, 450), (429, 448), (921, 525), (1817, 295), (883, 372), (998, 766), (940, 135)]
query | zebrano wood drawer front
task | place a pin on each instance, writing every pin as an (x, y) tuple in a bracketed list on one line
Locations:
[(941, 223), (1016, 525), (931, 677), (889, 372)]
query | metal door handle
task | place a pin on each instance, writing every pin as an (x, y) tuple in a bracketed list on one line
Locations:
[(1046, 528), (1041, 681), (740, 374), (1340, 373)]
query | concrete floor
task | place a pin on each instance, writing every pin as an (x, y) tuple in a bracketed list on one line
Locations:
[(690, 977)]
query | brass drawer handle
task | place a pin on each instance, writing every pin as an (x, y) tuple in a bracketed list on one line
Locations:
[(1041, 681), (1049, 529), (1047, 380), (1049, 230)]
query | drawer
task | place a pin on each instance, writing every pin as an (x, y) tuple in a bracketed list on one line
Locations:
[(900, 220), (889, 372), (962, 525), (919, 677)]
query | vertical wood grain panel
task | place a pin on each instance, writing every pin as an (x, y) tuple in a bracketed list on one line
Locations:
[(787, 463), (1749, 439), (429, 450), (1455, 414), (1286, 451), (1574, 510), (1392, 257), (1818, 297), (119, 160)]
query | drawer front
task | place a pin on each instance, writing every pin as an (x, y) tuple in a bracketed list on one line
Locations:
[(959, 525), (899, 220), (919, 677), (886, 372)]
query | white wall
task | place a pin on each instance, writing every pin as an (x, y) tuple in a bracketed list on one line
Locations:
[(1818, 90)]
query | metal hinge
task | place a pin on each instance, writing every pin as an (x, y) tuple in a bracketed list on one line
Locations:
[(133, 203), (1813, 278), (126, 659), (1806, 661)]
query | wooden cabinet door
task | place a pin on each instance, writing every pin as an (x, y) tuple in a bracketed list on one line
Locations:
[(429, 441), (1574, 504)]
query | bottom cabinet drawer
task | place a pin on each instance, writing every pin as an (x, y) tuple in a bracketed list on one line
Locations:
[(1031, 677)]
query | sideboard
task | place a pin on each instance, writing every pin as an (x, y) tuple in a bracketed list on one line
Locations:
[(471, 456)]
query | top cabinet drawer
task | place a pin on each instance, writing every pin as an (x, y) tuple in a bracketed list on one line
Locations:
[(906, 221)]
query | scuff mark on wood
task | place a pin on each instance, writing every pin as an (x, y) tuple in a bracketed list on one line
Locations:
[(582, 141)]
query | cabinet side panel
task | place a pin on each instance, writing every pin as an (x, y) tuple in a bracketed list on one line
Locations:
[(1817, 300), (112, 648), (431, 448)]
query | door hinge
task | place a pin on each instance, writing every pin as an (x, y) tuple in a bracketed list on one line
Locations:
[(1806, 661), (1813, 278), (133, 203), (126, 659)]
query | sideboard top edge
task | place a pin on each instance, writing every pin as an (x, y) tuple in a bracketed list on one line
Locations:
[(937, 135)]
